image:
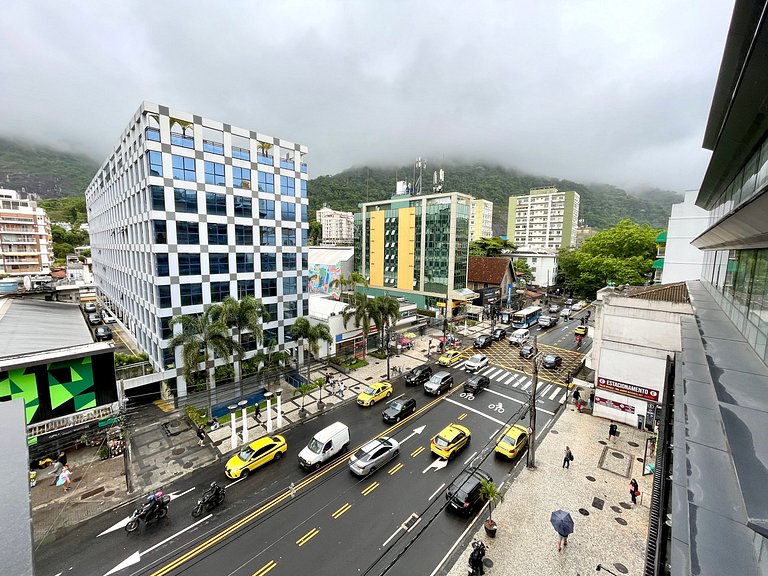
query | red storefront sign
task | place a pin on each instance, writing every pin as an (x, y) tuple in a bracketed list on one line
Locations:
[(628, 389), (614, 405)]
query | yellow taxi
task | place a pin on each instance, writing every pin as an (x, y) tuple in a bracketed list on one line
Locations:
[(255, 455), (450, 357), (450, 441), (373, 393), (512, 440), (581, 331)]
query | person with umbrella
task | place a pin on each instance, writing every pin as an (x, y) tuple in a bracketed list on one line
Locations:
[(563, 524)]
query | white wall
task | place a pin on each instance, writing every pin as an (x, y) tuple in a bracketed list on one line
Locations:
[(682, 261)]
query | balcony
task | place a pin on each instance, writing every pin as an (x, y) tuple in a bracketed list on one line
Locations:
[(288, 164), (303, 168), (268, 160)]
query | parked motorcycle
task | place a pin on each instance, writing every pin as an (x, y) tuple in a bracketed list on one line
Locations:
[(155, 508), (476, 558), (209, 500)]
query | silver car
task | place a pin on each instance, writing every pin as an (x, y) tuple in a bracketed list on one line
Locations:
[(477, 362), (373, 455)]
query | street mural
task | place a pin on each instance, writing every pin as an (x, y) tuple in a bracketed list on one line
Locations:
[(320, 278)]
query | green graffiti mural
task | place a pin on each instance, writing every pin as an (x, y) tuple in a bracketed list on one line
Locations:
[(20, 384), (72, 380)]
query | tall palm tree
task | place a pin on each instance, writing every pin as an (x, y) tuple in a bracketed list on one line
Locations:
[(341, 282), (202, 336), (357, 278), (388, 313), (244, 315), (312, 334), (361, 308)]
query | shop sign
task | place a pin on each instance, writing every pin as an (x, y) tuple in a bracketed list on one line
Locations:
[(628, 389), (628, 408)]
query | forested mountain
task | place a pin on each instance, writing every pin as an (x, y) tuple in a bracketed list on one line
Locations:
[(602, 206)]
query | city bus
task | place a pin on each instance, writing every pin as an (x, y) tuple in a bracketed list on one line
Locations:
[(526, 317)]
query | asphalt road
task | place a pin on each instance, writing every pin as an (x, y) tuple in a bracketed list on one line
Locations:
[(335, 523)]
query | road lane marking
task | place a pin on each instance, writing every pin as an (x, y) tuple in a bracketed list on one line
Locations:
[(341, 511), (436, 465), (418, 451), (395, 533), (370, 488), (468, 460), (543, 391), (395, 469), (464, 415), (436, 492), (538, 409), (555, 393), (308, 536), (266, 568), (527, 384), (451, 400)]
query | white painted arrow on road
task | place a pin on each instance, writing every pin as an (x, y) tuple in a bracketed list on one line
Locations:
[(437, 465), (124, 521), (418, 430)]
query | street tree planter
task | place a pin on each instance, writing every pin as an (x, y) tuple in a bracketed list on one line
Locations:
[(490, 492), (490, 528)]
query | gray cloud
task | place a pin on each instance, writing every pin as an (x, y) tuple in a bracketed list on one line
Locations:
[(594, 91)]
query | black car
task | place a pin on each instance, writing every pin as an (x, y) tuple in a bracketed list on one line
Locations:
[(399, 409), (418, 375), (552, 361), (476, 384), (94, 319), (463, 494), (527, 351), (103, 333), (483, 341), (499, 334)]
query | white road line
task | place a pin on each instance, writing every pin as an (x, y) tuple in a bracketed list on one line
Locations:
[(507, 397), (543, 429), (436, 492), (543, 391), (468, 460), (396, 532), (491, 418), (501, 376), (493, 373), (460, 365), (527, 385), (460, 539), (556, 391), (148, 550), (508, 380)]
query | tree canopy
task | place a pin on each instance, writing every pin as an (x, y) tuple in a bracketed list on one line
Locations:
[(623, 254), (490, 246)]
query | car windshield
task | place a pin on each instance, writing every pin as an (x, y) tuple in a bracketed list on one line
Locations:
[(550, 358), (315, 446), (368, 390), (246, 453), (396, 405), (476, 358), (442, 442)]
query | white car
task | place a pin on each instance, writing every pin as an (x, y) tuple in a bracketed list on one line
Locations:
[(477, 362), (576, 307)]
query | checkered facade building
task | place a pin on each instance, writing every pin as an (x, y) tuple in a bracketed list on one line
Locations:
[(186, 211)]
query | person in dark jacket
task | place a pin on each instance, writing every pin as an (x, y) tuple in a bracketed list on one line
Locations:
[(633, 490), (612, 431)]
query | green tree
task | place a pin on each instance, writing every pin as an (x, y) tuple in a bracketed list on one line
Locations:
[(490, 247), (490, 492), (202, 336), (315, 233), (245, 315), (303, 389), (361, 309), (523, 270), (623, 254), (312, 334), (387, 313)]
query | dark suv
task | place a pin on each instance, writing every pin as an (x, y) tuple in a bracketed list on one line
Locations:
[(499, 334), (476, 384), (483, 341), (463, 494), (398, 409), (418, 375)]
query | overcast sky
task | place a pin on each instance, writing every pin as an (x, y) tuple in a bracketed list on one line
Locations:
[(611, 91)]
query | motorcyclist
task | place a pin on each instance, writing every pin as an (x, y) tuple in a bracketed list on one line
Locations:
[(213, 491)]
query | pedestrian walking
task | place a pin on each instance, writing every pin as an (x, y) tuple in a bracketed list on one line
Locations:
[(257, 413), (55, 472), (64, 478), (634, 490), (576, 396), (62, 457), (201, 435), (293, 490), (613, 431), (562, 542), (592, 401), (567, 458)]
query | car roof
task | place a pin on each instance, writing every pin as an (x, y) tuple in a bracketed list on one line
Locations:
[(263, 441), (553, 356), (477, 473), (477, 378), (478, 356), (452, 430), (515, 431)]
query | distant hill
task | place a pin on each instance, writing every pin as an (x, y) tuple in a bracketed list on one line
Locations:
[(602, 205), (43, 171)]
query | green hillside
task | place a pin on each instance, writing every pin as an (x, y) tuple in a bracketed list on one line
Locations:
[(602, 206)]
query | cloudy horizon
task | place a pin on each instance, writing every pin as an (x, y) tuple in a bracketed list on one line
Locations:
[(584, 90)]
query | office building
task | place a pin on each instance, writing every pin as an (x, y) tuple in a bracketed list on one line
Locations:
[(681, 260), (26, 244), (338, 227), (545, 218), (416, 247), (187, 211), (480, 219)]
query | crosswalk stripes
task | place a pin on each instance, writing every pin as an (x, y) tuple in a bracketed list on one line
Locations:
[(555, 393)]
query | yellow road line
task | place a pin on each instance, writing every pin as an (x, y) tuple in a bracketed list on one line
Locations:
[(418, 451), (308, 536), (395, 469), (462, 416), (370, 489), (341, 511), (266, 568)]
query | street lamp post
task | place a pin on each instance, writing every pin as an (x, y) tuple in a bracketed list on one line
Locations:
[(243, 405), (233, 425), (320, 403), (532, 439)]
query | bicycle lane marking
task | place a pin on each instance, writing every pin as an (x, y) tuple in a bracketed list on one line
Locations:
[(538, 409), (491, 418)]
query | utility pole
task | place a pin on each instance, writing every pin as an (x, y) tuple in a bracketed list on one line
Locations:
[(532, 438)]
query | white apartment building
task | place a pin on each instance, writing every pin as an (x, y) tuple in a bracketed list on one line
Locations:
[(26, 245), (187, 211), (545, 218), (542, 262), (682, 260), (480, 219), (338, 227)]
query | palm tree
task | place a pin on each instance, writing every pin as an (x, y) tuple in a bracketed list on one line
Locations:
[(312, 334), (357, 278), (341, 282), (244, 315), (202, 336), (489, 491), (304, 388), (363, 311), (388, 313)]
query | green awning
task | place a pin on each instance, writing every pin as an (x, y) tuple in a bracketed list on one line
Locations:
[(662, 238), (658, 264)]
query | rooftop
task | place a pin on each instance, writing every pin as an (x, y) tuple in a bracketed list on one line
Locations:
[(677, 292), (489, 270)]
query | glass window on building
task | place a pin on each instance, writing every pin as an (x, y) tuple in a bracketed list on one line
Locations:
[(155, 163), (189, 264), (289, 285), (244, 262), (243, 235), (266, 182), (289, 237), (271, 335), (159, 232), (219, 291), (245, 288), (187, 233), (191, 294), (169, 358), (288, 210), (268, 262), (218, 263), (217, 235), (186, 200), (241, 177), (214, 173), (267, 209), (267, 236), (158, 197), (289, 261), (241, 153), (161, 265), (268, 287), (216, 204), (304, 261), (183, 168), (243, 206), (164, 297), (271, 310), (213, 141), (166, 331), (287, 186), (182, 134), (304, 216), (303, 188), (289, 309)]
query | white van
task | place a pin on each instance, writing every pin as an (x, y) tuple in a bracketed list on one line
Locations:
[(326, 444), (520, 336)]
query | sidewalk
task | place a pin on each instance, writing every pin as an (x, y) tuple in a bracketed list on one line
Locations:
[(613, 534)]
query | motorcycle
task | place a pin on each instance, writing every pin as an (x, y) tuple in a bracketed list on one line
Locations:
[(476, 558), (209, 500), (155, 508)]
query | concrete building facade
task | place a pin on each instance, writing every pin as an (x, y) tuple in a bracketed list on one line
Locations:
[(542, 262), (26, 244), (682, 260), (187, 211), (480, 219), (545, 218), (338, 227)]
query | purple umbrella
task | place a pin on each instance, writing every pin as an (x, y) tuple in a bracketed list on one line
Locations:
[(562, 522)]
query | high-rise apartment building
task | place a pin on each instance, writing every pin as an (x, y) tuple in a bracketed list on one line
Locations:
[(415, 246), (480, 219), (26, 245), (187, 211), (545, 218), (338, 227)]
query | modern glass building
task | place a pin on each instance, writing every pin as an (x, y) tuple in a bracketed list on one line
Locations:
[(415, 246), (187, 211)]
